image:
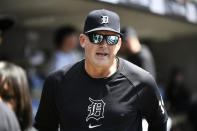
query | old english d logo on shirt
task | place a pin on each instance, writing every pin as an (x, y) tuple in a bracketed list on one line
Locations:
[(96, 109)]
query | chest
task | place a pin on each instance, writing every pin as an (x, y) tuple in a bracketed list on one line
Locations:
[(102, 103)]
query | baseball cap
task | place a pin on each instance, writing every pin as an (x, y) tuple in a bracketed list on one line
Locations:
[(102, 20), (6, 22)]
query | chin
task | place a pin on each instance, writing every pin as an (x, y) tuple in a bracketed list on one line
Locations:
[(102, 63)]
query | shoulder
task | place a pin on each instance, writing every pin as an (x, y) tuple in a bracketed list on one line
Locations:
[(8, 118), (66, 71), (5, 110), (135, 74)]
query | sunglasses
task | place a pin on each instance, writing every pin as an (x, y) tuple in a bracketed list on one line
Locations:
[(98, 38)]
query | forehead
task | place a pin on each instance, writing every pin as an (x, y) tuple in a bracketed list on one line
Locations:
[(103, 32)]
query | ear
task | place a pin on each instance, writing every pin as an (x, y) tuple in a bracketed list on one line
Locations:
[(82, 39)]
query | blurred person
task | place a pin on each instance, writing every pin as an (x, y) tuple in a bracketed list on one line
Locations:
[(136, 52), (178, 100), (177, 93), (14, 91), (6, 22), (102, 92), (66, 42), (193, 114), (8, 120)]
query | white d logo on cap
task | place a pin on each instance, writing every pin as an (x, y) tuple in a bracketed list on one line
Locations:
[(105, 19)]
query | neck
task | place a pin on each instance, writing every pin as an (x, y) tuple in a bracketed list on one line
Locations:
[(101, 72)]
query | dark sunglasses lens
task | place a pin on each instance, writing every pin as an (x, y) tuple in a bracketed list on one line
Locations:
[(96, 38), (112, 40)]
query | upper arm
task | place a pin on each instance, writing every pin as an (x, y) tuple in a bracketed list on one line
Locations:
[(47, 117)]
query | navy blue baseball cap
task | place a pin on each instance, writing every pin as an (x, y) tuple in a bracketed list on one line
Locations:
[(102, 19)]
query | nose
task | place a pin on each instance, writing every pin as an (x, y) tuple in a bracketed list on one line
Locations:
[(104, 43)]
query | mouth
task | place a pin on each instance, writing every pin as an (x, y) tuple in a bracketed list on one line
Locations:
[(102, 54)]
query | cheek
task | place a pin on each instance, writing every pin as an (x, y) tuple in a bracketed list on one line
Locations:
[(90, 48), (115, 50), (118, 47)]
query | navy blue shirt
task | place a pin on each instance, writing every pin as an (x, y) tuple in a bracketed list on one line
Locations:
[(78, 102)]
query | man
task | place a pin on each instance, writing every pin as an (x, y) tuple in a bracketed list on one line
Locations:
[(136, 52), (66, 42), (102, 92)]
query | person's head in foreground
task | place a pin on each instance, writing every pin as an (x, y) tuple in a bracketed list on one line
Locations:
[(101, 38), (14, 91)]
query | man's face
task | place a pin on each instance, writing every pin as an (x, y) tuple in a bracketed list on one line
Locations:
[(102, 54)]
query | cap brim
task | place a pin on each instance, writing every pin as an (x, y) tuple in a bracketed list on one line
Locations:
[(104, 29)]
